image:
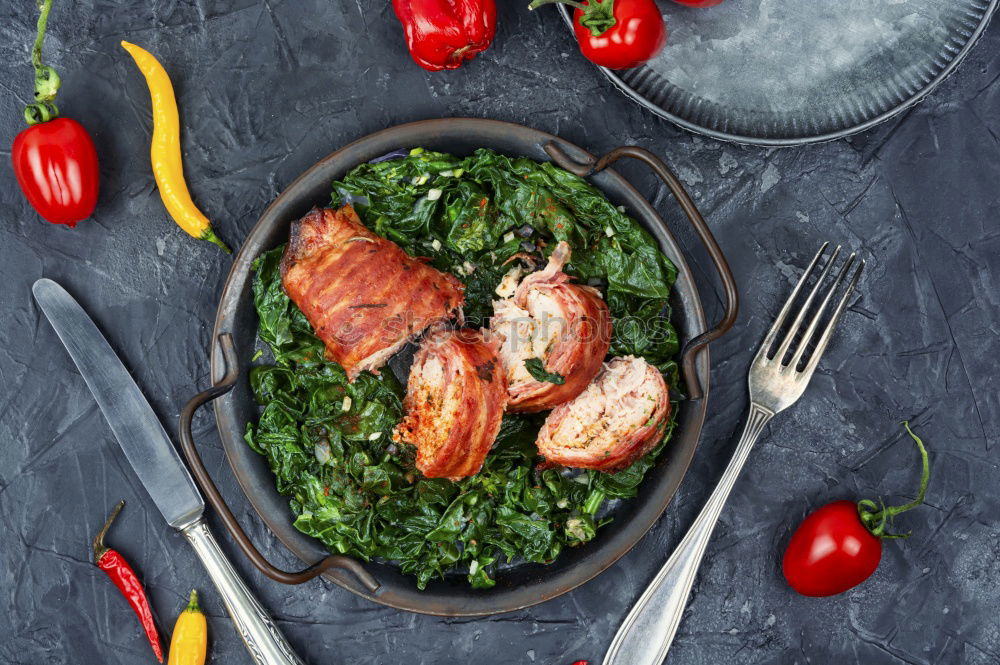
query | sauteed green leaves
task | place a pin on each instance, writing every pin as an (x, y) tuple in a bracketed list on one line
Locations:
[(328, 441)]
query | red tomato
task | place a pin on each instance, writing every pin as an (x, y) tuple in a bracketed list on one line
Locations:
[(839, 546), (56, 165), (636, 36), (831, 551), (699, 3)]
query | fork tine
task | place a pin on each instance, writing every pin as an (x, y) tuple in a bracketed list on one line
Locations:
[(800, 317), (814, 323), (772, 334), (825, 338)]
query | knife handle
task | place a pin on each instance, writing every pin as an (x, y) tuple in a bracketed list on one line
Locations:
[(262, 638)]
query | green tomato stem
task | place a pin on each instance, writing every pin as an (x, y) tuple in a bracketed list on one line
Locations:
[(598, 15), (877, 517), (47, 81)]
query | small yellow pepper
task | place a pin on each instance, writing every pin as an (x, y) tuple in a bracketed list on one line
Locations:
[(190, 639), (165, 151)]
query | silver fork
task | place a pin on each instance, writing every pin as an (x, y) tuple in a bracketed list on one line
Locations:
[(775, 384)]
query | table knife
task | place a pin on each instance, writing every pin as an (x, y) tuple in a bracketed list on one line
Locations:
[(158, 465)]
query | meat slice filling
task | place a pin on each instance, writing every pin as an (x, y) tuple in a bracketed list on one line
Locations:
[(564, 327), (620, 417), (363, 295), (455, 399)]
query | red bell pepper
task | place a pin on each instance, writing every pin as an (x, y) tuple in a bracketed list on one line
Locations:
[(56, 165), (54, 159), (442, 34)]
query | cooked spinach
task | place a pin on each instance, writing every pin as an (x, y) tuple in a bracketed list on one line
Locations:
[(536, 368), (328, 441)]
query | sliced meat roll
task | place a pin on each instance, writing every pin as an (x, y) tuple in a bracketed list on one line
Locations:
[(561, 327), (364, 296), (619, 418), (455, 399)]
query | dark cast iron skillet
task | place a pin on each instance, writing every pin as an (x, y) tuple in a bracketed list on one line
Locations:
[(519, 585)]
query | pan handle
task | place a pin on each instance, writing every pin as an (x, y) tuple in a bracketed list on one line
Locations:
[(691, 349), (219, 504)]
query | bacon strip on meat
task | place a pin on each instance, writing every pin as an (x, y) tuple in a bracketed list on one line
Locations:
[(620, 417), (364, 296), (455, 399), (567, 326)]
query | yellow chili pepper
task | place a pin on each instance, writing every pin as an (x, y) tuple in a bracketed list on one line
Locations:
[(165, 151), (190, 639)]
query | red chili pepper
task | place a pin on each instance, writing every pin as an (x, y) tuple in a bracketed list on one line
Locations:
[(121, 573), (54, 159), (442, 34), (617, 34)]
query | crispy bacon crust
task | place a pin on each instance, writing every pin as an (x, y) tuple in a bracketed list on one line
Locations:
[(455, 399), (364, 296), (619, 418), (582, 325)]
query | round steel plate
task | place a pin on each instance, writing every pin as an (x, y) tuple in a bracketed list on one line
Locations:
[(776, 73)]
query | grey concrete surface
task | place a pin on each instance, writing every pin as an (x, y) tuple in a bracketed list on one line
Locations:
[(268, 87)]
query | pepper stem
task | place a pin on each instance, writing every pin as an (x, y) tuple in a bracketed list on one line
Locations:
[(46, 79), (192, 605), (598, 15), (100, 549), (877, 517), (210, 236)]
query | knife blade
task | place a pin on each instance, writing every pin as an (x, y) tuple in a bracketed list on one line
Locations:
[(158, 465), (135, 425)]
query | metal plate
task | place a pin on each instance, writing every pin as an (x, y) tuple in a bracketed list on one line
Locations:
[(777, 73), (518, 586)]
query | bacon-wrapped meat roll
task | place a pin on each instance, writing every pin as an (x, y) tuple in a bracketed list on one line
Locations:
[(619, 418), (364, 296), (560, 327), (455, 399)]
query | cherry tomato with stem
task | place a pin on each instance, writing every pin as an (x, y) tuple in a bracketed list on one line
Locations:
[(839, 546), (617, 34), (54, 159)]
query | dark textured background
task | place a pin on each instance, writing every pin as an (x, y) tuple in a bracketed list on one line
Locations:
[(268, 87)]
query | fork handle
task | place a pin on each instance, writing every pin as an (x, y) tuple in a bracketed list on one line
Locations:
[(648, 630)]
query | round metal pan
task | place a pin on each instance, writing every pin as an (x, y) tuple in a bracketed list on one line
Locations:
[(520, 585), (776, 73)]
